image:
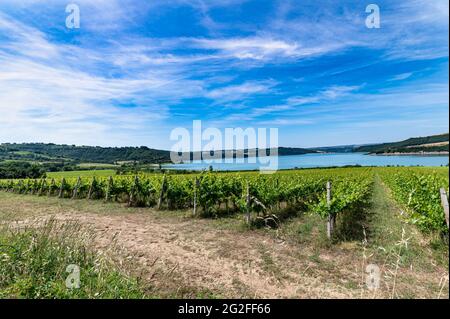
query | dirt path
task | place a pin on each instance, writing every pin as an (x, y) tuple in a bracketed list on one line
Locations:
[(410, 267), (186, 255), (221, 261)]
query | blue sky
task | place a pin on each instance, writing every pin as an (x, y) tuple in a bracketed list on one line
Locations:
[(136, 69)]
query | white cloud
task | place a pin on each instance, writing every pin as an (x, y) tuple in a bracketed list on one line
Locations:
[(402, 76), (249, 48), (293, 103), (46, 94), (338, 91), (240, 91)]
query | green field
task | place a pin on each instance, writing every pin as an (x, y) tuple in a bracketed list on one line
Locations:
[(97, 165), (84, 173)]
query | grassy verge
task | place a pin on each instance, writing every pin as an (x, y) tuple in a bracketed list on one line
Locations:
[(389, 228), (411, 263), (34, 264)]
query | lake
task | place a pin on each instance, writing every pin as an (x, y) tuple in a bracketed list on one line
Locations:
[(321, 160)]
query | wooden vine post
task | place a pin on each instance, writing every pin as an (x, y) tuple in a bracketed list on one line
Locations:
[(444, 202), (331, 223), (108, 190), (34, 187), (20, 187), (52, 186), (196, 186), (133, 191), (76, 188), (277, 182), (248, 217), (161, 195), (91, 188), (43, 184), (61, 188)]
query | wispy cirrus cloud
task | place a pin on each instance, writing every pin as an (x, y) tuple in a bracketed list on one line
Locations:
[(41, 88), (131, 73), (409, 104), (258, 48), (293, 103), (241, 91), (402, 76)]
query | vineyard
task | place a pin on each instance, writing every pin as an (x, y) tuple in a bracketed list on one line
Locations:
[(260, 199), (417, 190), (309, 233)]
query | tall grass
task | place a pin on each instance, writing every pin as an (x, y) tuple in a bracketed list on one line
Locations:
[(33, 262)]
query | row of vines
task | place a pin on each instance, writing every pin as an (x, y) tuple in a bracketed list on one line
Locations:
[(214, 194), (417, 189)]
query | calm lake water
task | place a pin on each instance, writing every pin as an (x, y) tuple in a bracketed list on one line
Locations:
[(321, 160)]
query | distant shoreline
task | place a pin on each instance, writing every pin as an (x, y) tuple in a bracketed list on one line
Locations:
[(412, 154)]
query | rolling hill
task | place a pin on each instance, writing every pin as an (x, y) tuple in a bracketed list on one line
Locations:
[(81, 154), (428, 144), (39, 152)]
